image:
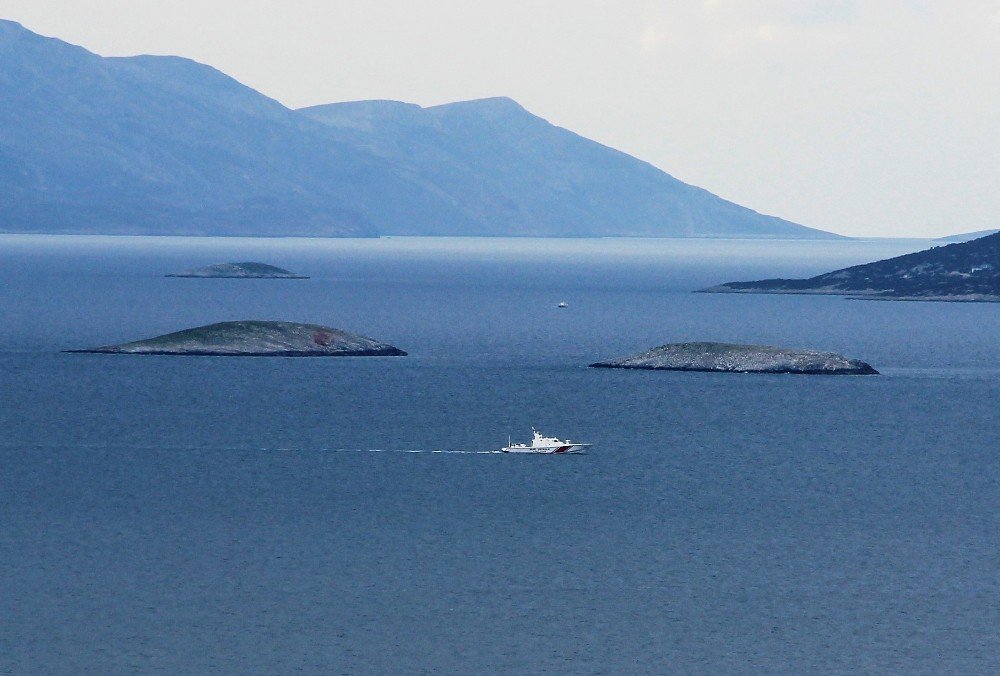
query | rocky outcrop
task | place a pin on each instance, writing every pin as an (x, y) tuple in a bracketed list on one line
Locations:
[(739, 359), (247, 270), (257, 339)]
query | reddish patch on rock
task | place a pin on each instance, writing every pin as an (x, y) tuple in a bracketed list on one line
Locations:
[(322, 338)]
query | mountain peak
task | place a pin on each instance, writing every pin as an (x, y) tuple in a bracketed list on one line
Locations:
[(15, 37), (8, 26), (493, 107), (494, 103)]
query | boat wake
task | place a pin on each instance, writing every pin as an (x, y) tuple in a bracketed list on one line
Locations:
[(245, 449), (413, 450)]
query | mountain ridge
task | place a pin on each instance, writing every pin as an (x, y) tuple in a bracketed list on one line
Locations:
[(626, 192), (166, 145)]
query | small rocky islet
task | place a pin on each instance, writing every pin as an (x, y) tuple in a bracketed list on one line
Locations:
[(729, 357), (245, 270), (254, 338)]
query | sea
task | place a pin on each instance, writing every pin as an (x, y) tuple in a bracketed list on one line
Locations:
[(163, 514)]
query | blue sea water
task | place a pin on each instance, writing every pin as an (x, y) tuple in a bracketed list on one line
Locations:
[(269, 515)]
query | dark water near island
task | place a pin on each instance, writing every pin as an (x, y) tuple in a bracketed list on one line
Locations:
[(262, 515)]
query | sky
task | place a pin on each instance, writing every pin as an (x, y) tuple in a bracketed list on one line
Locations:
[(863, 117)]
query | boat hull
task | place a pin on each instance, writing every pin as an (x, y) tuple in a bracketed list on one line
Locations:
[(547, 450)]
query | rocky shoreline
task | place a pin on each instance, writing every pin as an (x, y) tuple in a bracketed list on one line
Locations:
[(245, 270), (254, 338), (852, 295), (734, 358)]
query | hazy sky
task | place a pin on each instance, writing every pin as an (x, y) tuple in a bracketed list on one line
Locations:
[(865, 117)]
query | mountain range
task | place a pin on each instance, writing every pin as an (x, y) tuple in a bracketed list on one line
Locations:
[(165, 145)]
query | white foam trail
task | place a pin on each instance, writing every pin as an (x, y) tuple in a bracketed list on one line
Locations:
[(243, 449), (460, 451)]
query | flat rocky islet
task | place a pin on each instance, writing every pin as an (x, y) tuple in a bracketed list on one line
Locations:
[(254, 338), (245, 270), (963, 272), (734, 358)]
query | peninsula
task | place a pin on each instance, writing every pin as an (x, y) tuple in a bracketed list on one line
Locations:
[(966, 271), (247, 270), (739, 359), (252, 338)]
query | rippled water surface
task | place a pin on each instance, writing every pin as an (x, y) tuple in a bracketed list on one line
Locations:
[(275, 514)]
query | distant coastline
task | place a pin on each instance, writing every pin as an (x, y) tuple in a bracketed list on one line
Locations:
[(856, 295), (960, 272)]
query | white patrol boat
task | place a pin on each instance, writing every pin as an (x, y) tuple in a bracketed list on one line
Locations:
[(540, 444)]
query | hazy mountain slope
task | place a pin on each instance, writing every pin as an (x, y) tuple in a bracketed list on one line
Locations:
[(163, 144), (966, 236), (513, 172), (963, 271)]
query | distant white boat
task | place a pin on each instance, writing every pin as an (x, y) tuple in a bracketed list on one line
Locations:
[(563, 304), (540, 444)]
